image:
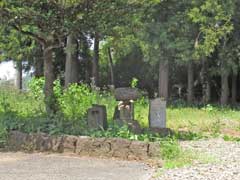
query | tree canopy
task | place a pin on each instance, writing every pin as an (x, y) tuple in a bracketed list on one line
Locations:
[(99, 38)]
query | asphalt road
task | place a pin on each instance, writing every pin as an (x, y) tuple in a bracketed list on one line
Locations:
[(20, 166)]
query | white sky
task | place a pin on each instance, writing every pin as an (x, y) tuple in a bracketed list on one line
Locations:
[(7, 70)]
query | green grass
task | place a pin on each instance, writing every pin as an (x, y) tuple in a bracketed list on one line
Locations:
[(202, 119), (23, 108), (187, 158), (231, 138), (196, 122), (23, 111), (174, 156)]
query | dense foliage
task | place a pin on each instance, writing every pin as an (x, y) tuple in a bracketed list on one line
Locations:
[(154, 41)]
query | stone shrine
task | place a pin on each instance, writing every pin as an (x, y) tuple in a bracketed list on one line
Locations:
[(124, 112), (125, 108)]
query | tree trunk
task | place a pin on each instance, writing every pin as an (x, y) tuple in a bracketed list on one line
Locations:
[(38, 66), (88, 71), (224, 88), (111, 66), (206, 87), (190, 95), (49, 80), (234, 89), (72, 65), (38, 62), (163, 79), (19, 76), (208, 91), (95, 65)]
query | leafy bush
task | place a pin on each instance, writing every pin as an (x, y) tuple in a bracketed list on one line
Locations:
[(3, 135), (36, 86), (75, 101), (134, 82)]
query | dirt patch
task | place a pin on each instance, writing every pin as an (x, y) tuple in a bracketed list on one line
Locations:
[(8, 158), (231, 132)]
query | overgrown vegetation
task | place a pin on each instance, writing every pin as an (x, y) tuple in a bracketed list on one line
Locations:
[(25, 111)]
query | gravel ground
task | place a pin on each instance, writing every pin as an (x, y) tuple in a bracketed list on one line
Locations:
[(226, 166), (20, 166)]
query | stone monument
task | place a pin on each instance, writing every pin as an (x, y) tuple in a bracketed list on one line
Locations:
[(126, 96), (97, 117), (124, 112), (157, 113)]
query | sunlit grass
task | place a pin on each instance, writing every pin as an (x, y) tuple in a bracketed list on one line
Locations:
[(209, 119), (195, 119)]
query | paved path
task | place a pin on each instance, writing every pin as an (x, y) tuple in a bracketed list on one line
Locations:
[(20, 166)]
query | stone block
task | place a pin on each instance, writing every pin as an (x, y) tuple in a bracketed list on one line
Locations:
[(100, 148), (69, 144), (139, 150), (97, 117), (120, 147), (84, 145), (126, 94), (40, 142), (157, 113), (134, 127), (125, 116), (17, 140), (126, 111), (163, 132), (154, 150), (57, 144)]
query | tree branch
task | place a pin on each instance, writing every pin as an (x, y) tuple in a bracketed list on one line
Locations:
[(55, 46), (35, 36)]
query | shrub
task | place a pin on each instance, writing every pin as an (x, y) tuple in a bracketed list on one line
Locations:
[(3, 134), (36, 86), (75, 101)]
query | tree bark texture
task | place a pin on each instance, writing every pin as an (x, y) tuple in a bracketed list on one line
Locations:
[(224, 89), (72, 64), (95, 64), (208, 91), (19, 76), (206, 85), (111, 66), (38, 66), (49, 80), (190, 94), (163, 79), (234, 89), (38, 63)]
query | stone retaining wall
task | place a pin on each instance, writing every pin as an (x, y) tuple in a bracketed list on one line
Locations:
[(85, 146)]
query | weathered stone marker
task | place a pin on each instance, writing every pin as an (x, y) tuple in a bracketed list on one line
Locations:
[(97, 117), (124, 112), (157, 113), (126, 96)]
